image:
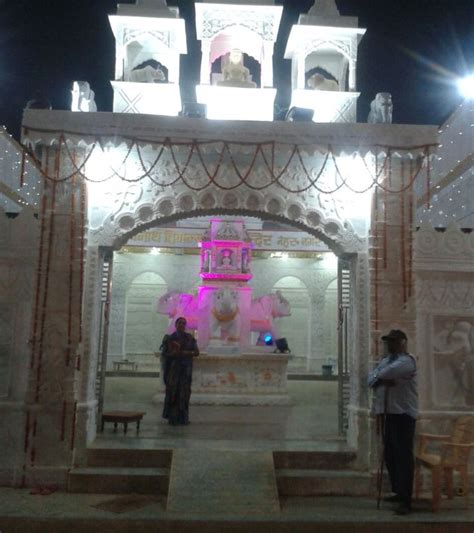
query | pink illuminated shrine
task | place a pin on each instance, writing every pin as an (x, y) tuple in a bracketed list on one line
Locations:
[(226, 251)]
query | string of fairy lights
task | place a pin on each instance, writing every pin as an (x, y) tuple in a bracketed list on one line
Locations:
[(448, 203), (452, 202)]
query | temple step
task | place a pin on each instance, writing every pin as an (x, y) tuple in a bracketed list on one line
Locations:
[(223, 482), (316, 482), (114, 480), (325, 460), (138, 458)]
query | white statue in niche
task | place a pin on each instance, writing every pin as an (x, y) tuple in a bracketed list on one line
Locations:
[(83, 97), (148, 74), (318, 82), (381, 109), (225, 317), (234, 72), (226, 259)]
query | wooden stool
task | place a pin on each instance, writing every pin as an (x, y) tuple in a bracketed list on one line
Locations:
[(125, 363), (122, 417)]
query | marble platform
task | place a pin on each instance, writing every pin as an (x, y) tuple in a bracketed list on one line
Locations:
[(238, 379)]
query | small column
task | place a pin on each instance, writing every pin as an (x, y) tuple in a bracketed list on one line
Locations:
[(205, 63), (267, 64)]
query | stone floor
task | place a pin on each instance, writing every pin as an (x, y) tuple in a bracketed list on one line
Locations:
[(22, 512), (309, 423), (311, 416)]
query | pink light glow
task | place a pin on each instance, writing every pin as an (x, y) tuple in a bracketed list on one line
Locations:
[(225, 276)]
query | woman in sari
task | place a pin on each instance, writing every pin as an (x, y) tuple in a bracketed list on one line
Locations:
[(178, 350)]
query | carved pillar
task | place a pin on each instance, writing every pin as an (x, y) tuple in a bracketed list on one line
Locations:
[(118, 311), (391, 277), (267, 64), (317, 330), (173, 70), (87, 400), (300, 71), (51, 398), (359, 434), (205, 65), (18, 268), (119, 62), (353, 66)]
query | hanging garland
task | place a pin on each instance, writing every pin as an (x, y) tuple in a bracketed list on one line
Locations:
[(194, 162)]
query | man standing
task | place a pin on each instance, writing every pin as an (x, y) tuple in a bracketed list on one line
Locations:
[(396, 399)]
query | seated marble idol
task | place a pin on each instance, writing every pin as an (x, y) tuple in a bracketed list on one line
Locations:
[(318, 82), (148, 74), (235, 74)]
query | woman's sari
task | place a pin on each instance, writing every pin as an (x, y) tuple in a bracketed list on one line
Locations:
[(178, 372)]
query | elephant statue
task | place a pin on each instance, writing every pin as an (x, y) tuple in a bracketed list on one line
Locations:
[(225, 316), (381, 109), (176, 304), (265, 309), (83, 97)]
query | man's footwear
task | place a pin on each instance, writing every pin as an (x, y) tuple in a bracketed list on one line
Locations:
[(392, 499), (403, 509)]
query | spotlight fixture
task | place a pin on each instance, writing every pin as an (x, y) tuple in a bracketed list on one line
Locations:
[(268, 339), (299, 114), (282, 345)]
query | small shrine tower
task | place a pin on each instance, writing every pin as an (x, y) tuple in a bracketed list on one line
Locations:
[(323, 52), (224, 295), (234, 34), (150, 37)]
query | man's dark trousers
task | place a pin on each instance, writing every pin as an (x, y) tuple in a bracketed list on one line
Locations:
[(399, 438)]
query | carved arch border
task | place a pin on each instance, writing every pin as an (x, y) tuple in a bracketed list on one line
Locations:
[(337, 234)]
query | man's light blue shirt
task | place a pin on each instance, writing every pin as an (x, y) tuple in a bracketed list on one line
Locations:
[(402, 397)]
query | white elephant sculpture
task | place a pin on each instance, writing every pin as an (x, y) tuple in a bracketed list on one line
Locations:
[(225, 316), (265, 309), (83, 97), (148, 74), (176, 304), (381, 109)]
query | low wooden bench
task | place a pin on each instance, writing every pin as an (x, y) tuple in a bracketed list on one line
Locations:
[(122, 417), (125, 363)]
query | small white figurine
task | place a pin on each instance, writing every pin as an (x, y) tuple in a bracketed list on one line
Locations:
[(83, 97), (318, 82), (381, 109)]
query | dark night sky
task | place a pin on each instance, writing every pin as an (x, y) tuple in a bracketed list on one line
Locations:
[(412, 49)]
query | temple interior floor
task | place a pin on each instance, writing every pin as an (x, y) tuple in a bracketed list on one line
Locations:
[(310, 422), (311, 417)]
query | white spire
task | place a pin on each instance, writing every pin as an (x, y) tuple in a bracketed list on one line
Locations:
[(324, 8)]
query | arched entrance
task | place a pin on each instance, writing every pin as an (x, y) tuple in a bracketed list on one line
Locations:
[(300, 291)]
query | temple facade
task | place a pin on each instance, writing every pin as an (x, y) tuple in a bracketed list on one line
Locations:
[(345, 220)]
